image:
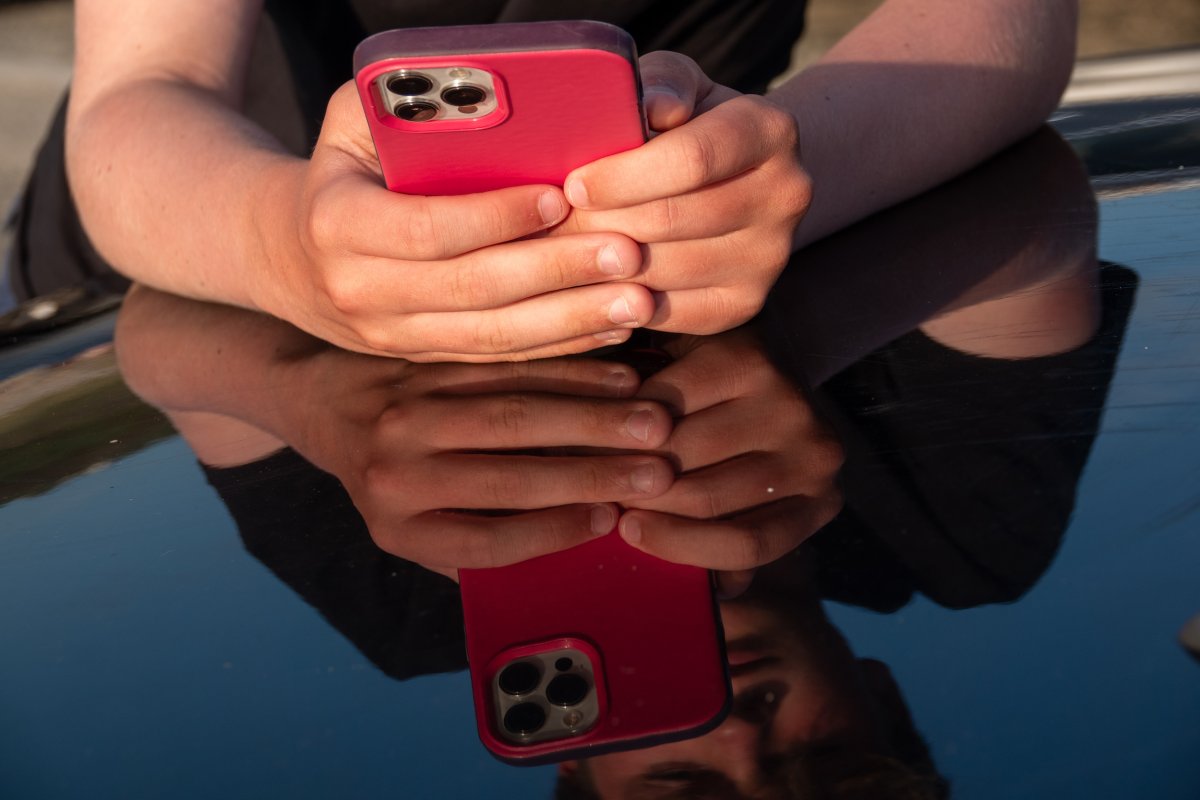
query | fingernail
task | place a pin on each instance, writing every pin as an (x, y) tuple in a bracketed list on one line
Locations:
[(620, 312), (631, 530), (609, 260), (617, 382), (550, 207), (602, 519), (576, 193), (642, 478), (611, 337), (664, 90), (638, 424)]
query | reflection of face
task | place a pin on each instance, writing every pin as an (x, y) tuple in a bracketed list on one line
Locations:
[(794, 684)]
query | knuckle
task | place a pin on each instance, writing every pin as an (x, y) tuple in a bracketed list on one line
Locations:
[(378, 478), (664, 218), (420, 233), (495, 337), (345, 294), (478, 547), (468, 288), (732, 307), (397, 417), (832, 504), (828, 454), (696, 500), (509, 419), (323, 227), (376, 338), (750, 546), (504, 488), (697, 155), (795, 194)]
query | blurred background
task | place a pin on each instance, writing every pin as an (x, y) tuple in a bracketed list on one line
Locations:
[(35, 56)]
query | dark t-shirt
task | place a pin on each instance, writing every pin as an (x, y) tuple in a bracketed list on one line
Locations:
[(739, 43)]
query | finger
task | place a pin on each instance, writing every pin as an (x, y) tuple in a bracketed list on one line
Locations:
[(714, 210), (476, 481), (580, 377), (716, 372), (555, 317), (732, 138), (746, 541), (566, 347), (732, 583), (515, 421), (672, 84), (496, 276), (737, 484), (457, 540), (354, 214), (705, 311)]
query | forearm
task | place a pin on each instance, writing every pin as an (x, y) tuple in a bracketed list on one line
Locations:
[(184, 356), (169, 181), (167, 174), (920, 91)]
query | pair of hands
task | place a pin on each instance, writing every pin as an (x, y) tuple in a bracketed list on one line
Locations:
[(716, 461), (686, 233)]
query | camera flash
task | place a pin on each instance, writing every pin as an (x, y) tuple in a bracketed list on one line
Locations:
[(459, 73), (572, 719)]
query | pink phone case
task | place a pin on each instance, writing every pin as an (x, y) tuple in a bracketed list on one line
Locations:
[(650, 628), (566, 93)]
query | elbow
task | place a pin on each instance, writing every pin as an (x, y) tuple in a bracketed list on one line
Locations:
[(87, 166), (1050, 67)]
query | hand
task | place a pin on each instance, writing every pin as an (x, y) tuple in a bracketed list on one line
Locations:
[(438, 278), (715, 198), (418, 447), (756, 467)]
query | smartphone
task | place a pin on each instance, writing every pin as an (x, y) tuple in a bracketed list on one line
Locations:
[(596, 648), (599, 647), (471, 108)]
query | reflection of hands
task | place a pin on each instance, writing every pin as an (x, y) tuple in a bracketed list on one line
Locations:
[(418, 446), (756, 467), (715, 198), (438, 278)]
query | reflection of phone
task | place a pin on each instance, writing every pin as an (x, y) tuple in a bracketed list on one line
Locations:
[(596, 648), (471, 108)]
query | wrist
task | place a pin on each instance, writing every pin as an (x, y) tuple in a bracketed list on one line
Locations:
[(272, 252)]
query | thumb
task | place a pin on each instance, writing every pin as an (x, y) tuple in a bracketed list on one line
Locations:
[(672, 86)]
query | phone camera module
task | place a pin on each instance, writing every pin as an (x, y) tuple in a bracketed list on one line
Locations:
[(409, 84), (524, 719), (416, 111), (567, 690), (463, 95), (520, 677)]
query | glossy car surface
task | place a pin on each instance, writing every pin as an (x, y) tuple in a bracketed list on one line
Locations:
[(1019, 544)]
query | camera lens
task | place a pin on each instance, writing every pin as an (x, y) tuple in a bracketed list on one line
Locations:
[(409, 84), (464, 95), (567, 690), (520, 677), (416, 111), (524, 718)]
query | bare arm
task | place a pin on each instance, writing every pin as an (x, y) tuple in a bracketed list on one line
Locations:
[(920, 91)]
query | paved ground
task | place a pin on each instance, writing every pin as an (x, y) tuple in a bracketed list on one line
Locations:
[(35, 56)]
